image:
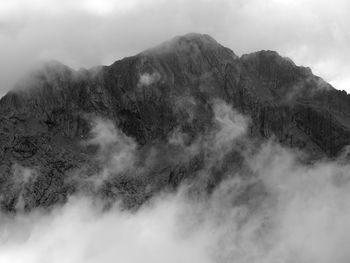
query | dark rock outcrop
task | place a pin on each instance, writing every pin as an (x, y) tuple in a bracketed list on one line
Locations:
[(149, 96)]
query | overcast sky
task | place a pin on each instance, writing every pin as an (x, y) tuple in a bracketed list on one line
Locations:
[(83, 33)]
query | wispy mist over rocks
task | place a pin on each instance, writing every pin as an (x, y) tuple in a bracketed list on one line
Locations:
[(184, 152), (147, 79), (157, 118), (276, 210)]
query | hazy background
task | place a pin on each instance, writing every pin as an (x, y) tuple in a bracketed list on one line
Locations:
[(83, 33)]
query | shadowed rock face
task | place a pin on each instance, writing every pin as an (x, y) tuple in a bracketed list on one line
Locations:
[(166, 89)]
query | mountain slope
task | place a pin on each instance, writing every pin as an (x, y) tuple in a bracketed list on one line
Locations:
[(170, 88)]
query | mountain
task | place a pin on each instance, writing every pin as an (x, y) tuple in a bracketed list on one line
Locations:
[(47, 122)]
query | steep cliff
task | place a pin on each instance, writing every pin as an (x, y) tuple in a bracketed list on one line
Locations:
[(47, 120)]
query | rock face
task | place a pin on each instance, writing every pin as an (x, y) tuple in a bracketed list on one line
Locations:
[(46, 120)]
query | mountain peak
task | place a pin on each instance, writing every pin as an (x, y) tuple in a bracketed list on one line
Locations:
[(198, 38), (187, 43), (152, 97)]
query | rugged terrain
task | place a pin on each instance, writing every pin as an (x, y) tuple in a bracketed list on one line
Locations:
[(48, 145)]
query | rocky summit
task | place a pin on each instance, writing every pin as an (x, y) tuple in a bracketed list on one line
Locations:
[(145, 123)]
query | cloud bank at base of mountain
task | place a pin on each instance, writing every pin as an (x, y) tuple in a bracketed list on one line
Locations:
[(278, 209)]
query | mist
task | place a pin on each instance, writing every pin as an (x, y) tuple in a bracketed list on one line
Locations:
[(277, 209)]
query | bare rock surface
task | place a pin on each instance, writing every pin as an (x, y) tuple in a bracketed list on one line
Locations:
[(47, 121)]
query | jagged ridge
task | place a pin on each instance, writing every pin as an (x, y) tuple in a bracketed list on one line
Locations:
[(44, 120)]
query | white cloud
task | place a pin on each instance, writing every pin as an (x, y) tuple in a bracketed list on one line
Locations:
[(81, 232), (275, 210), (147, 79), (116, 153), (302, 215)]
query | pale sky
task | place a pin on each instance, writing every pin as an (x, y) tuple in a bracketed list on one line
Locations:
[(84, 33)]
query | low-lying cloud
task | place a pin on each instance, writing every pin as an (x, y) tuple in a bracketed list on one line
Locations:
[(80, 232), (276, 209), (302, 217)]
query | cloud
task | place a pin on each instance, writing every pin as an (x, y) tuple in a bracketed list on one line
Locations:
[(19, 182), (116, 151), (286, 212), (147, 79), (231, 124), (229, 127), (276, 208), (87, 33), (80, 232), (309, 218)]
